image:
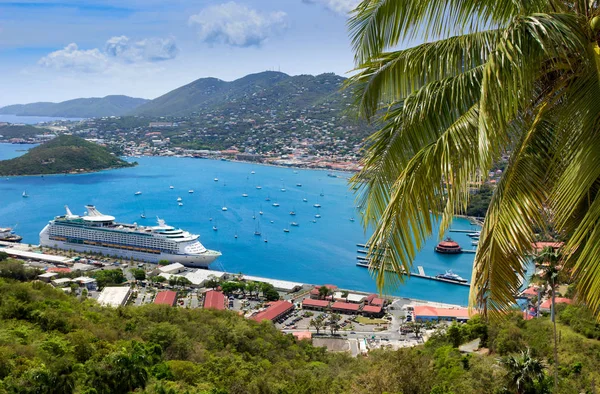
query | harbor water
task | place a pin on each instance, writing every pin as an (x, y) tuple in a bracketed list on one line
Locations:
[(319, 252)]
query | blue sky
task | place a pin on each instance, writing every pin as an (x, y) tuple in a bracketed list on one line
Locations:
[(58, 50)]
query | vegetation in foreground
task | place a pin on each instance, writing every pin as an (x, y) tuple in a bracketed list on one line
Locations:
[(52, 342), (63, 154)]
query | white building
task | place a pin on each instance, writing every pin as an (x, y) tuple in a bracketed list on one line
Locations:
[(61, 282), (46, 277), (172, 269), (82, 267), (280, 285), (352, 297), (114, 296), (87, 282), (199, 277)]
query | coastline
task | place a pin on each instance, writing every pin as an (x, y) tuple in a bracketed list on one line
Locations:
[(73, 173)]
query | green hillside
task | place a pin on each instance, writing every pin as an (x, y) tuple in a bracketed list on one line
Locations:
[(20, 131), (63, 154), (78, 108), (266, 90), (51, 342)]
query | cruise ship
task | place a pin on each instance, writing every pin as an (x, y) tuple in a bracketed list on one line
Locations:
[(99, 233)]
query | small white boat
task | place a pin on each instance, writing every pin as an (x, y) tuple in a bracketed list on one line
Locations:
[(179, 199), (475, 243), (318, 216), (294, 224), (180, 204), (215, 228), (305, 199), (283, 189), (143, 216), (299, 184), (272, 221), (259, 187), (244, 195), (252, 172), (266, 240), (275, 204), (351, 219), (138, 193), (257, 232), (475, 234), (260, 212), (216, 179), (224, 209), (190, 191), (25, 195), (210, 219), (285, 230), (317, 205), (170, 187), (314, 221), (235, 236)]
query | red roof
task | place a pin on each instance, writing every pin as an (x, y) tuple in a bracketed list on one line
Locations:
[(276, 309), (377, 301), (318, 303), (59, 270), (370, 298), (345, 306), (422, 310), (559, 300), (448, 244), (302, 335), (166, 298), (530, 291), (214, 299), (372, 309), (542, 245)]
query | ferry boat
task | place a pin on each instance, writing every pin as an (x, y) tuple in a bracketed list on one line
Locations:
[(99, 233), (7, 235), (449, 275), (448, 246)]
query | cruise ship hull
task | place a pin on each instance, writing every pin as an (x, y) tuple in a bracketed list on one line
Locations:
[(190, 260)]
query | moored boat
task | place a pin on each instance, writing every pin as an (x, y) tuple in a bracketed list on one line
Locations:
[(7, 235), (451, 276)]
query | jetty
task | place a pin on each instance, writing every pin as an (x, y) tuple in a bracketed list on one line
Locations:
[(420, 274), (455, 230)]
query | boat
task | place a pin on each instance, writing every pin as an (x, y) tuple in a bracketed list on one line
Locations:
[(283, 189), (268, 198), (314, 221), (244, 195), (8, 235), (351, 219), (285, 230), (292, 213), (138, 193), (294, 224), (272, 221), (257, 231), (275, 204), (448, 246), (191, 191), (260, 212), (259, 187), (235, 236), (475, 243), (318, 216), (224, 208), (99, 233), (475, 234), (25, 195), (321, 194), (299, 184), (305, 199), (179, 199), (170, 187), (332, 175), (180, 204), (216, 179), (215, 228), (143, 215), (449, 275), (252, 172), (266, 240), (317, 205), (295, 172)]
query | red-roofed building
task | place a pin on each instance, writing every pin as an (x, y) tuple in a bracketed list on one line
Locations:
[(546, 305), (345, 307), (530, 292), (372, 311), (317, 305), (214, 300), (314, 293), (302, 335), (430, 313), (59, 270), (275, 311), (166, 298), (370, 298), (377, 301)]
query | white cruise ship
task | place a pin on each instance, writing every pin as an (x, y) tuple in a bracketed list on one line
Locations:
[(99, 233)]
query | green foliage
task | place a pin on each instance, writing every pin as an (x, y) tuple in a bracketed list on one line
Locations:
[(63, 154), (109, 277), (3, 256), (164, 262), (480, 201), (14, 269), (138, 273), (580, 319), (21, 131)]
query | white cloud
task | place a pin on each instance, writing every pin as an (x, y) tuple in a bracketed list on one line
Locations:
[(236, 25), (71, 57), (149, 49), (118, 50), (342, 7)]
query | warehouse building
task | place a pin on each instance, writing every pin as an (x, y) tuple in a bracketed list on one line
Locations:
[(276, 311), (166, 298), (114, 296), (214, 300)]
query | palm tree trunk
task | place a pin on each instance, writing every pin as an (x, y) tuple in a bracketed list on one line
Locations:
[(553, 317)]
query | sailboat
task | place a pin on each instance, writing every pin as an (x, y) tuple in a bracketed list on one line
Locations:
[(25, 195), (191, 191), (143, 214), (285, 230), (322, 194), (252, 172), (283, 188), (261, 211), (268, 198), (275, 204), (244, 194), (257, 229)]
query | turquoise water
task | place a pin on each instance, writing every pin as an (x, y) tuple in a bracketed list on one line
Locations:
[(321, 252), (32, 119)]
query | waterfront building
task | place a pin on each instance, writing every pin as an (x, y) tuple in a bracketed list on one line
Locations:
[(345, 307), (448, 246), (279, 285), (276, 311), (99, 233), (114, 296), (372, 311), (316, 305), (352, 297), (174, 268), (431, 313), (166, 298)]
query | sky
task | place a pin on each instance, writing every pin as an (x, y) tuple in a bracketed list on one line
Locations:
[(60, 50)]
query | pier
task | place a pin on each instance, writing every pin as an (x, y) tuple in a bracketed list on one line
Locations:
[(421, 274), (453, 230)]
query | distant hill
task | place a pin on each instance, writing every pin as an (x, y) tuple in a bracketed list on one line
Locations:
[(20, 131), (269, 89), (78, 108), (63, 154)]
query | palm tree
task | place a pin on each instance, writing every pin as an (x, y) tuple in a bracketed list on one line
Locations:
[(495, 76), (318, 323), (523, 372), (548, 265), (345, 294), (334, 319)]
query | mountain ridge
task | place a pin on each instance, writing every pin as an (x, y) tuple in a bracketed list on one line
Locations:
[(91, 107)]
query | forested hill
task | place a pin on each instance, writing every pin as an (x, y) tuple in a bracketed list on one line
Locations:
[(93, 107), (63, 154), (20, 131), (271, 90)]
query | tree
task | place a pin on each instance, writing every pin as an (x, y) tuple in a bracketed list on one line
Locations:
[(212, 282), (345, 294), (318, 323), (138, 273), (3, 256), (333, 322), (158, 279), (455, 335), (163, 262), (324, 292), (500, 76), (109, 277), (523, 372), (251, 287)]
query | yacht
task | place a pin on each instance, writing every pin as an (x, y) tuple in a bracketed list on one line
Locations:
[(283, 189), (191, 191), (305, 199), (99, 233), (244, 195), (475, 234), (215, 228), (285, 230), (475, 243), (294, 224), (25, 195), (275, 204), (216, 179), (138, 193), (259, 187), (317, 205), (252, 172), (318, 216), (180, 204), (170, 187), (224, 208), (260, 212), (8, 235), (449, 275), (179, 199)]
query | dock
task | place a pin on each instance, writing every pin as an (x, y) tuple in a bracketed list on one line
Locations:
[(469, 250), (453, 230), (421, 274)]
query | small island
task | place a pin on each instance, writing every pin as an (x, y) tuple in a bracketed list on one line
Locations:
[(62, 155)]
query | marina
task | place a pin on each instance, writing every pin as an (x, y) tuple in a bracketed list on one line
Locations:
[(421, 274), (318, 250)]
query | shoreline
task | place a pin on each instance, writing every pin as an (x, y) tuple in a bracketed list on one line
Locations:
[(72, 173)]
